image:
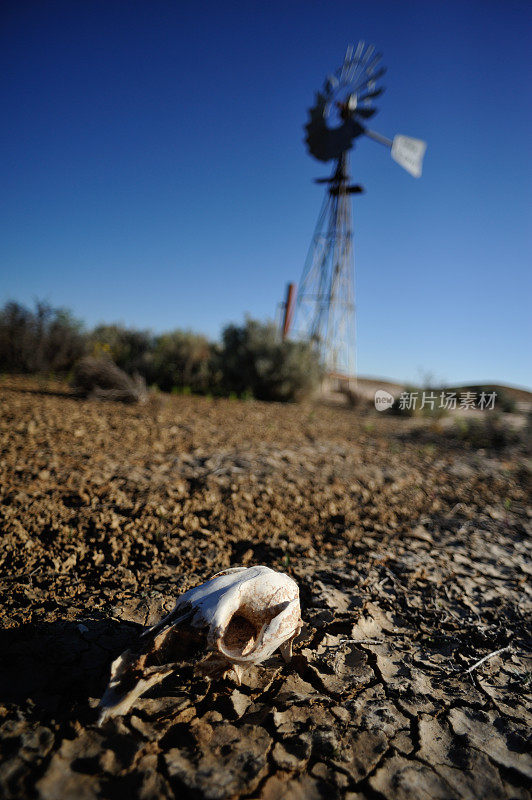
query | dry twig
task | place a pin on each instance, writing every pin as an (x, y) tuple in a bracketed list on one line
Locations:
[(485, 658), (360, 641)]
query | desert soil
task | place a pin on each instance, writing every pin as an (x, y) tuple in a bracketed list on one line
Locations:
[(412, 557)]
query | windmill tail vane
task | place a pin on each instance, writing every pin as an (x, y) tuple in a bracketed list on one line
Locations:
[(325, 307)]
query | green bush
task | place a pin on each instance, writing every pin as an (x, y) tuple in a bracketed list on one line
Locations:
[(489, 432), (184, 360), (178, 361), (253, 360), (130, 349), (45, 340)]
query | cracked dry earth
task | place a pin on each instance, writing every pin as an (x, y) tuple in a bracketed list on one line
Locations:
[(412, 563)]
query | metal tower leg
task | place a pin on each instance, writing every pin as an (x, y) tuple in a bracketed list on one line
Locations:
[(325, 311)]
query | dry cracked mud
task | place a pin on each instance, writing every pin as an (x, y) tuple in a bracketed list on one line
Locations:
[(413, 559)]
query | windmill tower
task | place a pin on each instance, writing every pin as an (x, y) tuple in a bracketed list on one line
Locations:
[(325, 306)]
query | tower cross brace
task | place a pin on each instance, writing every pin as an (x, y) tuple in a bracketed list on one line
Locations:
[(325, 309)]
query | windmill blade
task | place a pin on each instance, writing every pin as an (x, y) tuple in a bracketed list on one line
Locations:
[(371, 95), (347, 62), (375, 77), (359, 50), (331, 82), (359, 62), (374, 63), (367, 55), (408, 153), (365, 113)]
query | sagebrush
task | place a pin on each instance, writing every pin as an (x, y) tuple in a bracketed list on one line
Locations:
[(251, 360)]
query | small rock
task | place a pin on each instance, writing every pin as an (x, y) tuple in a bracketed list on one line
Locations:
[(293, 753), (341, 714), (292, 721), (295, 690), (403, 743), (284, 759), (240, 702), (320, 770), (367, 749), (300, 788)]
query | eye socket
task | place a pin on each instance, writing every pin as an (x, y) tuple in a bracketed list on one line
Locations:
[(240, 635)]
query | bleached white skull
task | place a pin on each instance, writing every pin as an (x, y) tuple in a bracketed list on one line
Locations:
[(249, 613), (237, 618)]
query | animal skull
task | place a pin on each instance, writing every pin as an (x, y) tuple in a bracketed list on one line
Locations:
[(237, 618)]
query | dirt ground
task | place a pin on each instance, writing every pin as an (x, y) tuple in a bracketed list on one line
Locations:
[(411, 551)]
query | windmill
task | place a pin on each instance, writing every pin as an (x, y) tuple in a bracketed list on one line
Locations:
[(324, 311)]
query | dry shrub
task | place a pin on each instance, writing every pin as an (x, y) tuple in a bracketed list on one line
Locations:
[(490, 432), (356, 399), (43, 340), (100, 378), (487, 431)]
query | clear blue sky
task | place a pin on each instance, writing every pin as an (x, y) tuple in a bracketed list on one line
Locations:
[(153, 170)]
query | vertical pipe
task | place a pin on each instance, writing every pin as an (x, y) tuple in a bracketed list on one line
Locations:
[(288, 308)]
